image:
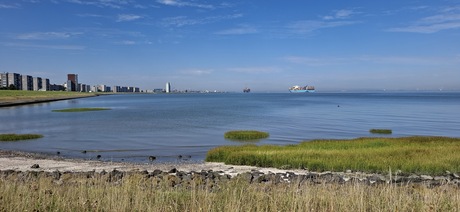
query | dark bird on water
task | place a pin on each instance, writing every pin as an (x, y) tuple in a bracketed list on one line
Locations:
[(98, 156), (152, 158)]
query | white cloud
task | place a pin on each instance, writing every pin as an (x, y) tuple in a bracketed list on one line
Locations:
[(128, 17), (308, 26), (47, 35), (340, 14), (447, 19), (117, 4), (127, 42), (398, 60), (255, 70), (197, 72), (9, 6), (55, 47), (178, 3), (241, 30), (180, 21)]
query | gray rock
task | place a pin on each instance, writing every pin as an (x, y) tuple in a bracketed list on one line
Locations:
[(426, 177), (35, 166)]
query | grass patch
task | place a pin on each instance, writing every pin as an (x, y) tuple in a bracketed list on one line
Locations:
[(18, 137), (16, 95), (72, 110), (38, 191), (420, 155), (380, 131), (245, 135)]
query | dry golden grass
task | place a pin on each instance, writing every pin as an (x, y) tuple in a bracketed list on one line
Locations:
[(139, 193)]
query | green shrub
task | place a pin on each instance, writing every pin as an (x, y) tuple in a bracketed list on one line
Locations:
[(18, 137), (380, 131), (245, 135), (71, 110)]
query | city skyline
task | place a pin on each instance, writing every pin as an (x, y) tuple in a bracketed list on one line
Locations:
[(231, 45)]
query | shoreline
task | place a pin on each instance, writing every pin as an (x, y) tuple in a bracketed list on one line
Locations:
[(16, 161), (38, 101)]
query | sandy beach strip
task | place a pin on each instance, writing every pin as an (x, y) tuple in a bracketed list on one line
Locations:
[(18, 102), (23, 161)]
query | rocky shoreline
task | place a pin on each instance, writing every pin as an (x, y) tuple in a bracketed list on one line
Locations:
[(23, 165)]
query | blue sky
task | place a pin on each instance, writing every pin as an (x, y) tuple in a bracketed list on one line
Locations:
[(267, 45)]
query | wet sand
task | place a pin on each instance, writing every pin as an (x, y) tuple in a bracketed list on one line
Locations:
[(23, 161)]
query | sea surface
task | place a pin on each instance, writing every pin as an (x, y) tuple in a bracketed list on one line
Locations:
[(169, 125)]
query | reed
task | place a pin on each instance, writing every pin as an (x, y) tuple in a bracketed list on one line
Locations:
[(39, 192), (380, 131), (18, 137), (73, 110), (245, 135), (419, 155)]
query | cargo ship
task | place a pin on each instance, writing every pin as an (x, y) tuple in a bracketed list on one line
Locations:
[(300, 89)]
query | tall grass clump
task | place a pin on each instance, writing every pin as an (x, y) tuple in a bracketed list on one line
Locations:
[(18, 137), (380, 131), (73, 110), (135, 192), (245, 135), (420, 155)]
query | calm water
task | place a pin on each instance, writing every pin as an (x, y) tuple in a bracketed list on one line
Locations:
[(190, 124)]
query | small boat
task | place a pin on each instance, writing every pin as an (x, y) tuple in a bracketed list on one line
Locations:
[(246, 90), (300, 89)]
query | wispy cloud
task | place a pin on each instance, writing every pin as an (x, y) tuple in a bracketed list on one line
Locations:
[(178, 3), (9, 6), (340, 14), (308, 26), (47, 35), (117, 4), (197, 72), (255, 70), (447, 18), (395, 60), (128, 17), (337, 19), (39, 46), (241, 30), (180, 21)]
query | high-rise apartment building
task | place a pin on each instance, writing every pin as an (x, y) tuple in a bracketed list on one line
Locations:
[(27, 83), (72, 82), (37, 83), (168, 87)]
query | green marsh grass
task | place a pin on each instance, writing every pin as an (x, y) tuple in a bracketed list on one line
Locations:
[(135, 192), (419, 155), (16, 95), (245, 135), (380, 131), (18, 137), (72, 110)]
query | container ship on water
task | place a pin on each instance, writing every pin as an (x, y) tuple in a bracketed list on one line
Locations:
[(300, 89)]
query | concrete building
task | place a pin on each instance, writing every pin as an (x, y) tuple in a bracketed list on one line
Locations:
[(46, 85), (72, 82), (168, 87), (37, 82), (9, 79), (27, 83)]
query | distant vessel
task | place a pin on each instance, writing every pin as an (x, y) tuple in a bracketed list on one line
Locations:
[(246, 90), (300, 89)]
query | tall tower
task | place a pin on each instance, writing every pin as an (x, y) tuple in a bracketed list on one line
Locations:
[(168, 87), (73, 79)]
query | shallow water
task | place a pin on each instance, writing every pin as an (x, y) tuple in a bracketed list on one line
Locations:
[(167, 126)]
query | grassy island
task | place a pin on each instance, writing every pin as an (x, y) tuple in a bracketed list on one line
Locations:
[(426, 155), (72, 110), (18, 137), (380, 131), (245, 135)]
